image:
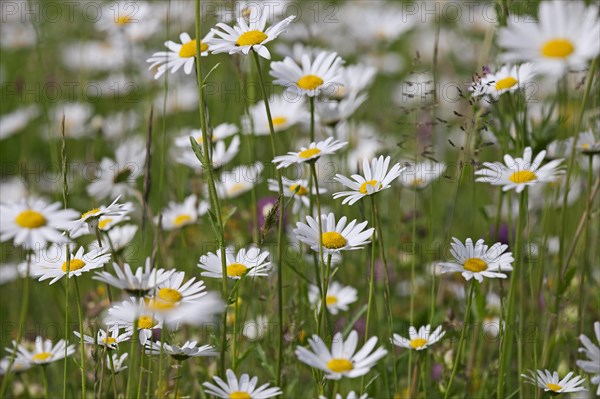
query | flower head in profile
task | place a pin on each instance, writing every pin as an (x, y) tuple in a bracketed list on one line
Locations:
[(239, 180), (284, 114), (478, 261), (342, 360), (109, 339), (376, 178), (335, 237), (311, 77), (337, 299), (116, 363), (134, 315), (43, 351), (179, 55), (314, 151), (297, 189), (550, 382), (137, 284), (183, 352), (566, 36), (351, 395), (247, 34), (518, 173), (592, 351), (419, 340), (420, 174), (508, 78), (92, 217), (50, 265), (251, 262), (244, 388), (178, 215)]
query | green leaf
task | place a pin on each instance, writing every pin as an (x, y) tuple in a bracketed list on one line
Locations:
[(357, 315), (264, 362), (210, 72)]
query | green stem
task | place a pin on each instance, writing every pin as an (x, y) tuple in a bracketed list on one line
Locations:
[(280, 260), (371, 276), (324, 277), (114, 378), (81, 340), (234, 347), (462, 337), (588, 246), (45, 378), (177, 378)]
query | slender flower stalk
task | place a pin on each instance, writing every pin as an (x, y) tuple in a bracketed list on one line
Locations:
[(280, 222), (324, 280), (82, 341)]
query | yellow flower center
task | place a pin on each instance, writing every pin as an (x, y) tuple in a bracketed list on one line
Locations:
[(370, 183), (309, 82), (340, 365), (506, 83), (331, 300), (301, 189), (109, 340), (554, 387), (30, 219), (146, 322), (90, 213), (251, 38), (123, 19), (279, 121), (333, 240), (522, 176), (159, 304), (104, 222), (74, 264), (585, 146), (475, 265), (169, 295), (237, 188), (236, 270), (41, 357), (182, 219), (239, 395), (311, 152), (557, 48), (417, 343), (188, 49)]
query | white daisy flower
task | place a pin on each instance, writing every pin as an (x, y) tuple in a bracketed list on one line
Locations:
[(565, 37), (19, 364), (239, 180), (587, 143), (592, 351), (117, 361), (420, 175), (139, 283), (337, 299), (48, 264), (244, 388), (519, 173), (354, 79), (17, 120), (33, 223), (298, 189), (351, 395), (246, 36), (118, 237), (179, 55), (376, 178), (174, 291), (336, 237), (251, 262), (134, 310), (220, 132), (109, 339), (342, 360), (285, 113), (187, 350), (309, 154), (178, 215), (478, 261), (105, 223), (333, 112), (92, 217), (220, 156), (256, 329), (323, 74), (419, 340), (551, 383), (118, 177), (508, 78), (44, 352), (10, 272)]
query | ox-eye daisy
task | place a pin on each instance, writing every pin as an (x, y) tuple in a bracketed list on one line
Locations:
[(551, 382), (44, 351), (419, 340), (311, 153), (49, 265), (351, 395), (323, 74), (187, 350), (178, 215), (32, 222), (519, 173), (284, 114), (179, 55), (298, 189), (376, 178), (220, 156), (134, 310), (139, 283), (565, 37), (239, 180), (341, 360), (251, 262), (508, 78), (220, 132), (478, 261), (246, 36), (335, 237), (117, 364), (419, 175), (337, 299), (174, 291), (244, 388), (109, 339), (92, 217), (592, 352)]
